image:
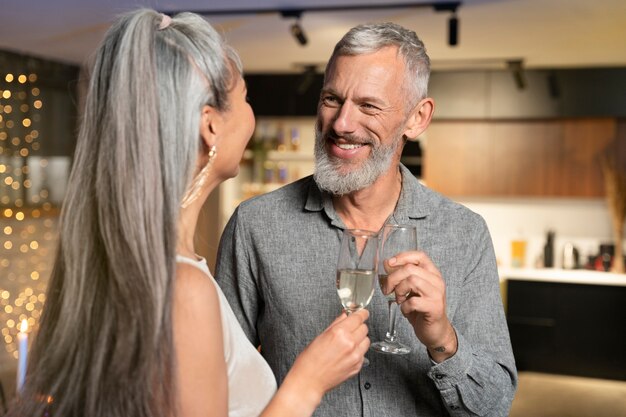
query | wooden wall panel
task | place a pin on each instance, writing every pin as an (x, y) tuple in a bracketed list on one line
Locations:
[(543, 158), (457, 158)]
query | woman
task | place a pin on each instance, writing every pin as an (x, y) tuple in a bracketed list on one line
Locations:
[(134, 325)]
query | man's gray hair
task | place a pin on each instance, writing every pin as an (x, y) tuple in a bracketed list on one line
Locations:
[(371, 37)]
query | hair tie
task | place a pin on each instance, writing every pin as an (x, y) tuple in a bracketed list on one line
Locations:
[(165, 21)]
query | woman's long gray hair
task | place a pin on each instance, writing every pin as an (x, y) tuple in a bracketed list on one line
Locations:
[(105, 346)]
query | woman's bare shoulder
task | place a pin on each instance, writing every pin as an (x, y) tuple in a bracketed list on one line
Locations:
[(195, 293)]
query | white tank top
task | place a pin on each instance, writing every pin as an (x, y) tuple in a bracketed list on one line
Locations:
[(251, 383)]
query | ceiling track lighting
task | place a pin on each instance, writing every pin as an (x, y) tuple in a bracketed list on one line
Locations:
[(453, 30), (517, 70), (296, 29), (298, 32), (453, 20), (307, 78)]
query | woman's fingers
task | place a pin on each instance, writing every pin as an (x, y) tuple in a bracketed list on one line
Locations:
[(339, 319)]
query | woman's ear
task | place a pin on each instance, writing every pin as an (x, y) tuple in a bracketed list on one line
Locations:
[(210, 124), (420, 117)]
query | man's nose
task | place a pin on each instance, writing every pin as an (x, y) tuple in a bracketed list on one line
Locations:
[(346, 119)]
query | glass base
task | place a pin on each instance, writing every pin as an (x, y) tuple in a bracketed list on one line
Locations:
[(393, 348)]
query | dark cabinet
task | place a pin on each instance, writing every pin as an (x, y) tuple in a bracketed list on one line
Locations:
[(284, 94), (545, 94), (569, 329)]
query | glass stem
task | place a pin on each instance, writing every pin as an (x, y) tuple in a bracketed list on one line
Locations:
[(391, 334)]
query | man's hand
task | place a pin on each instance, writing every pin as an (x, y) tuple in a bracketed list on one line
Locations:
[(421, 293)]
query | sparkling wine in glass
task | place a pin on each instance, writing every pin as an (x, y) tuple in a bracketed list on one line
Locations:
[(356, 269), (394, 239)]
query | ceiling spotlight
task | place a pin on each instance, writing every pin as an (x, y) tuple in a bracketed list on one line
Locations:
[(453, 30), (553, 85), (296, 30), (307, 78), (298, 33), (453, 20), (517, 69)]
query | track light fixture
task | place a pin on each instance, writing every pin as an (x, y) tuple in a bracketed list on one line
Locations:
[(517, 69), (296, 29), (306, 79), (453, 20), (453, 30), (298, 32)]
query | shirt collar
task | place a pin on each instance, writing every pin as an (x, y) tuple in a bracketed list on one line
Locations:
[(414, 201), (318, 200)]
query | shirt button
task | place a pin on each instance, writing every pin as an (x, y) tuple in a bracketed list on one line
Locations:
[(367, 385), (439, 376)]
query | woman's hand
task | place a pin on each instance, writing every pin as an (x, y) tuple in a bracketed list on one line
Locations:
[(332, 357)]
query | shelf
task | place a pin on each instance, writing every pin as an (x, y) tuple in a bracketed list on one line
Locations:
[(281, 156), (289, 156)]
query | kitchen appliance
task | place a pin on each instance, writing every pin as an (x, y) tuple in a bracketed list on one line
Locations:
[(570, 258)]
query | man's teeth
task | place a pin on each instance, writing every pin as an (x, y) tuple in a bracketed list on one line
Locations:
[(348, 146)]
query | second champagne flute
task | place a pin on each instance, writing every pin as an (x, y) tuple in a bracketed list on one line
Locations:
[(394, 240)]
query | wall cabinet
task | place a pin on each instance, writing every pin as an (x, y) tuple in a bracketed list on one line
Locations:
[(570, 329), (551, 93), (544, 158)]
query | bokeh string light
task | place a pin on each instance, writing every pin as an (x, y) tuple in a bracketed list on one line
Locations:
[(27, 231)]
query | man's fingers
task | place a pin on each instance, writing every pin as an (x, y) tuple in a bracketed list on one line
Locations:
[(413, 257)]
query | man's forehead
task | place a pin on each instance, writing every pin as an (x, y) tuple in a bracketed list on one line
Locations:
[(377, 69)]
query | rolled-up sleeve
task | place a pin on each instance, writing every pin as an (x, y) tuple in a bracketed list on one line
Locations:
[(480, 379)]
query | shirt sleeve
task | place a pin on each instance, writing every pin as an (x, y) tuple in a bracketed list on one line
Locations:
[(481, 378), (234, 274)]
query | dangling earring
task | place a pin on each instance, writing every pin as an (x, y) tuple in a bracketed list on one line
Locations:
[(198, 182)]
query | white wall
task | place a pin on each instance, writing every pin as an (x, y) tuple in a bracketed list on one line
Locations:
[(585, 222)]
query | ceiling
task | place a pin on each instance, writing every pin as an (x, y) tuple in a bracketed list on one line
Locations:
[(544, 33)]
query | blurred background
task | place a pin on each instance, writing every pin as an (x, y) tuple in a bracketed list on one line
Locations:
[(530, 99)]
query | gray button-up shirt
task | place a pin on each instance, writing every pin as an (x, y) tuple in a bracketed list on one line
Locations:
[(276, 265)]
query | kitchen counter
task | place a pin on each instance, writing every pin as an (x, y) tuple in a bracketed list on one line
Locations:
[(566, 276)]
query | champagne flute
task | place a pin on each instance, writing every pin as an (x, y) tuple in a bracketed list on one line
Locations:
[(394, 240), (356, 270)]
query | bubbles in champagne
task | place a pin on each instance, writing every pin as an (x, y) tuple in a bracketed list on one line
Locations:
[(355, 288)]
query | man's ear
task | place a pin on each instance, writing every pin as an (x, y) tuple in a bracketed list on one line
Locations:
[(210, 125), (420, 117)]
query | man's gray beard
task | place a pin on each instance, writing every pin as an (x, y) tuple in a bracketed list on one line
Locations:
[(327, 168)]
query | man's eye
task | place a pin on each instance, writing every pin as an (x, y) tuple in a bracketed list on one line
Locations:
[(329, 100), (369, 107)]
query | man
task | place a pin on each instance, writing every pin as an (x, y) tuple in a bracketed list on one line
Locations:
[(278, 254)]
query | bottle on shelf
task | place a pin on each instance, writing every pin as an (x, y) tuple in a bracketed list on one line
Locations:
[(281, 145), (283, 173), (268, 172), (258, 146), (295, 139)]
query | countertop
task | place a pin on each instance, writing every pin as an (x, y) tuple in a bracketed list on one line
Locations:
[(567, 276)]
